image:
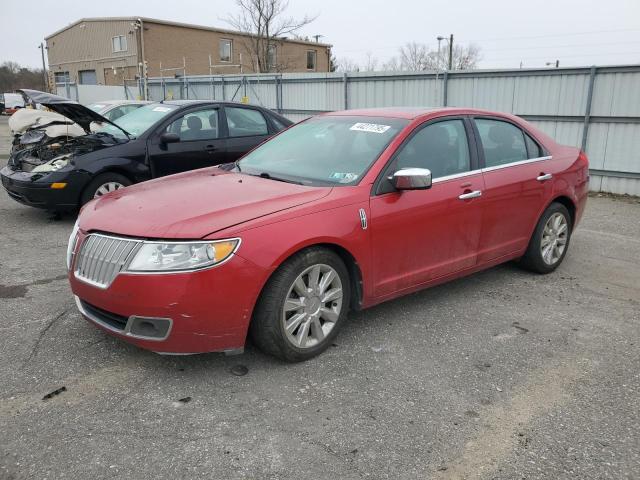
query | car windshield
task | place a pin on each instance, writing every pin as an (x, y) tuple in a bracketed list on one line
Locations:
[(325, 150), (138, 121), (97, 107)]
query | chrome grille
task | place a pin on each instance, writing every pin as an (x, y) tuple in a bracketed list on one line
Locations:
[(102, 257)]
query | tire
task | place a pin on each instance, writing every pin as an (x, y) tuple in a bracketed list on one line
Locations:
[(553, 228), (109, 181), (312, 324)]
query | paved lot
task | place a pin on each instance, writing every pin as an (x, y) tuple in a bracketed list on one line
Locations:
[(501, 375)]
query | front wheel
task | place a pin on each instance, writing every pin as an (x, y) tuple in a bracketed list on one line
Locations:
[(302, 306), (103, 184), (550, 240)]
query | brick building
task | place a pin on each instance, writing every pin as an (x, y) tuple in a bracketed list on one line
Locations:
[(108, 51)]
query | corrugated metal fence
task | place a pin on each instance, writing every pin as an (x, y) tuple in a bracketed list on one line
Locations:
[(596, 108)]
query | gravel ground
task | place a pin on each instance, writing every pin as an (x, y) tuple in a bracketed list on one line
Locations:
[(501, 375)]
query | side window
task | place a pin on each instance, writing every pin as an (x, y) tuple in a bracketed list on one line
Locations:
[(245, 122), (533, 149), (441, 147), (200, 125), (502, 142)]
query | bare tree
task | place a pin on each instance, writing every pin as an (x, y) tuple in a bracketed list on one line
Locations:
[(370, 63), (347, 65), (418, 56), (266, 22), (414, 56)]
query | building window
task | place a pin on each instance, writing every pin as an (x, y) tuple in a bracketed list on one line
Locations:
[(119, 43), (271, 57), (61, 77), (225, 50), (311, 59), (87, 77)]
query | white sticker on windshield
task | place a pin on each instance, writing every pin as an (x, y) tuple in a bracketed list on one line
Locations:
[(161, 109), (370, 127), (98, 106), (343, 177)]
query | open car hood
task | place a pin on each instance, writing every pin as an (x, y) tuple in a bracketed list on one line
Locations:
[(75, 112)]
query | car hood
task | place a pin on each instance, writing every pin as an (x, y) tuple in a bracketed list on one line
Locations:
[(193, 204), (75, 112)]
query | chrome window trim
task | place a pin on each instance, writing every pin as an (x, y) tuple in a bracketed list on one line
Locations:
[(515, 164), (490, 169), (127, 328), (456, 175)]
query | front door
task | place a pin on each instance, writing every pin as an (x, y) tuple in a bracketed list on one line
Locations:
[(418, 236), (200, 144)]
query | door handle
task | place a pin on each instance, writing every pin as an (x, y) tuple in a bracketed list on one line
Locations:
[(210, 148), (467, 196), (545, 176)]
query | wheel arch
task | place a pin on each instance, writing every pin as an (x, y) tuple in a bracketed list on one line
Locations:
[(115, 169), (353, 267), (569, 204)]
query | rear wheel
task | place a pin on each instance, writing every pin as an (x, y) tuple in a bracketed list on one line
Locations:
[(302, 306), (550, 240), (103, 184)]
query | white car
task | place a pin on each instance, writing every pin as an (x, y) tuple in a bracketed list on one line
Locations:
[(113, 109)]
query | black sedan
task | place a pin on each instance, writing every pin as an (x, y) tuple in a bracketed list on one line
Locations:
[(153, 141)]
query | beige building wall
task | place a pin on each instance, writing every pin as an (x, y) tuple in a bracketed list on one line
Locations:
[(88, 46), (169, 44)]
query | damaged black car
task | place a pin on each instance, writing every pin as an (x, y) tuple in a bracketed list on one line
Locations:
[(63, 172)]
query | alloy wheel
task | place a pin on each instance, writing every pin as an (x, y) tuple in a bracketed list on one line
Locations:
[(554, 238), (312, 306), (107, 188)]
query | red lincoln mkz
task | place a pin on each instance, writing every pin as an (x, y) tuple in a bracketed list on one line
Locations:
[(342, 211)]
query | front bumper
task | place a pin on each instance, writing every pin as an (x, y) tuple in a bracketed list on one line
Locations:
[(205, 311), (35, 190)]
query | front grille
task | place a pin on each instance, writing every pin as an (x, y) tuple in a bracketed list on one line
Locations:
[(102, 257), (118, 322)]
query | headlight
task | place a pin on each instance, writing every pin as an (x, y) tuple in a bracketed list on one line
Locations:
[(171, 257), (73, 238), (53, 165)]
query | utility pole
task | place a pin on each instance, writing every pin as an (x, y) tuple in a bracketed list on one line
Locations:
[(317, 37), (45, 80), (451, 52)]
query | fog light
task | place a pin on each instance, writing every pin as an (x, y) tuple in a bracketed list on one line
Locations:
[(58, 185), (151, 328)]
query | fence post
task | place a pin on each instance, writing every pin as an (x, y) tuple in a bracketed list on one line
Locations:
[(445, 91), (345, 81), (587, 111), (278, 98), (224, 98)]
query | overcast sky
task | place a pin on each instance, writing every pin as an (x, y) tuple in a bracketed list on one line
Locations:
[(576, 32)]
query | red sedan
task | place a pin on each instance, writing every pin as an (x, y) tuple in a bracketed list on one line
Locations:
[(342, 211)]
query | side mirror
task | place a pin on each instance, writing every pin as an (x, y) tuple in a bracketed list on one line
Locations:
[(169, 137), (412, 179)]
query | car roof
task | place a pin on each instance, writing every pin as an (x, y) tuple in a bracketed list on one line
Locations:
[(120, 102), (411, 113)]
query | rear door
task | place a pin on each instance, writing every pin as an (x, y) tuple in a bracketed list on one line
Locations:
[(517, 186), (420, 235), (247, 128), (201, 143)]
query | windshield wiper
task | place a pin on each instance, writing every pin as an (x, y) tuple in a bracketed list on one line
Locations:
[(278, 179)]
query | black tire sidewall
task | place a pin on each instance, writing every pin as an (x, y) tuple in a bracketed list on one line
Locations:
[(534, 254)]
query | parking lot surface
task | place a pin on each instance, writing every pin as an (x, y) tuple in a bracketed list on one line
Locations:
[(501, 375)]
